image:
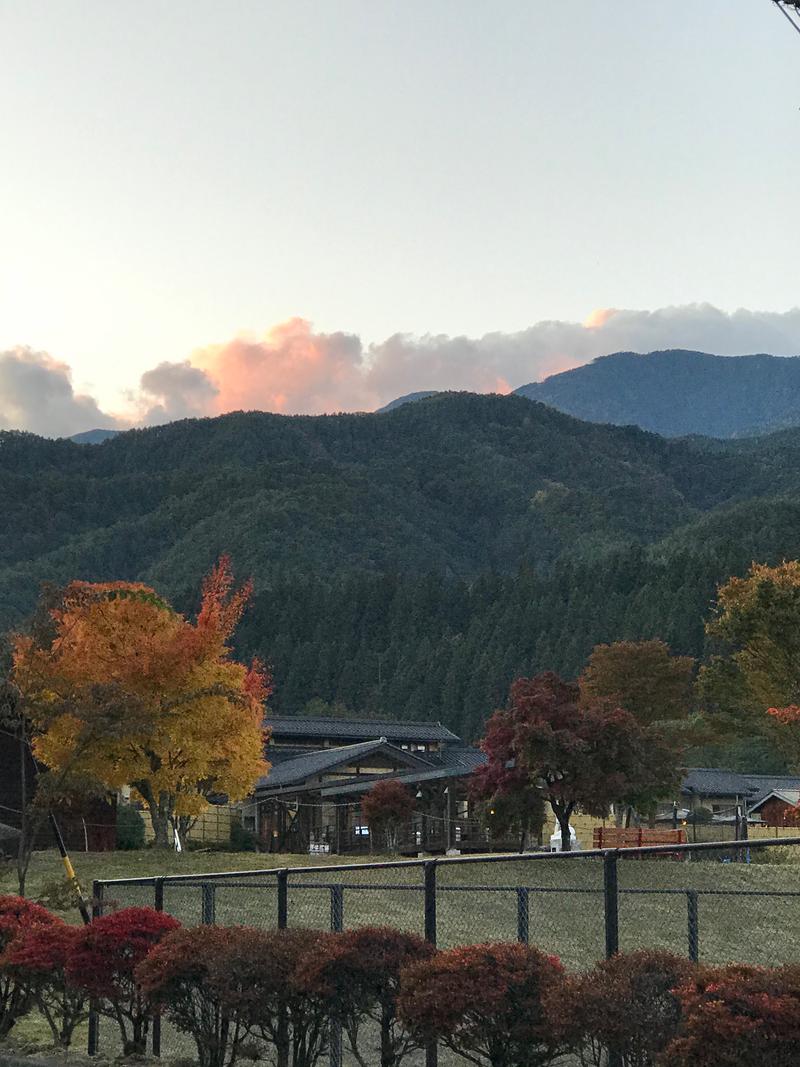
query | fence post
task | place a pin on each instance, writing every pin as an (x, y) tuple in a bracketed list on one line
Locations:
[(283, 898), (429, 870), (337, 925), (611, 896), (337, 909), (691, 908), (158, 904), (430, 901), (209, 904), (282, 883), (523, 915), (93, 1043)]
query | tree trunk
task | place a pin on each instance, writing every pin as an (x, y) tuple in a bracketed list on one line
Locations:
[(563, 816), (387, 1051), (25, 846)]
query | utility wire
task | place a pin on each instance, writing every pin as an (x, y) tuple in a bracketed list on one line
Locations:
[(786, 15)]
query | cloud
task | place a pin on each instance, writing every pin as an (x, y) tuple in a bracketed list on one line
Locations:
[(291, 370), (175, 391), (36, 394), (294, 369)]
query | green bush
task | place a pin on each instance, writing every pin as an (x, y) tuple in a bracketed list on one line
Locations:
[(243, 840), (130, 828)]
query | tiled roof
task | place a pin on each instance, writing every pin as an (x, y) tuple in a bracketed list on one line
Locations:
[(764, 784), (353, 786), (306, 726), (294, 771), (459, 756), (712, 781)]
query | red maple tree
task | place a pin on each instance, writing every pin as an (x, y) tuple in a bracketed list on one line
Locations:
[(572, 754)]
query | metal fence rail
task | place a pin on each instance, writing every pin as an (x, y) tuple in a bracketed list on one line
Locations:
[(580, 905)]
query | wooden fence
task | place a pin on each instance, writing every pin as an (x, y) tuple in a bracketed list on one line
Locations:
[(212, 827)]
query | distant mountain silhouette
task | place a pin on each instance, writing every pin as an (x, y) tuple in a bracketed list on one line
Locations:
[(93, 437), (676, 393), (409, 398)]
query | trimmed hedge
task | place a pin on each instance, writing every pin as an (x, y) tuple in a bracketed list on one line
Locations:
[(243, 993)]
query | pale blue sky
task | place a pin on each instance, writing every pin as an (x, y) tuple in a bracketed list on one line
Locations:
[(175, 173)]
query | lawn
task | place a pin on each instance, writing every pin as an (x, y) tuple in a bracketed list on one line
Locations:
[(479, 901), (746, 912)]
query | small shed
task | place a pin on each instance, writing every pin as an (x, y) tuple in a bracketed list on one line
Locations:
[(780, 807)]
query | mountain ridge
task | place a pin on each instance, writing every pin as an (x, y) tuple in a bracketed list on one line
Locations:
[(679, 392), (409, 563)]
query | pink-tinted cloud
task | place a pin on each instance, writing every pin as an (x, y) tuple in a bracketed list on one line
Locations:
[(290, 370)]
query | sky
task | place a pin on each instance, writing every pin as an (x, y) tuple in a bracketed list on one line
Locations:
[(319, 205)]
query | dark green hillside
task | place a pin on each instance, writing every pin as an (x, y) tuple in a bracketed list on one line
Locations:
[(457, 484), (409, 563)]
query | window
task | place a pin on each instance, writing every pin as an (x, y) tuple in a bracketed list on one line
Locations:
[(361, 831)]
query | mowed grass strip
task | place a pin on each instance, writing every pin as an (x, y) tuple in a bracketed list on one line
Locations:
[(480, 901)]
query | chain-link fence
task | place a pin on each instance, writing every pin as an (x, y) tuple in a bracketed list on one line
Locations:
[(715, 902)]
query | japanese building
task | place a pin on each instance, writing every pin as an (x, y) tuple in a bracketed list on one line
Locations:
[(321, 767)]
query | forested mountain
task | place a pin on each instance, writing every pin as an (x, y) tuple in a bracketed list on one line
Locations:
[(93, 437), (676, 393), (409, 563), (409, 398)]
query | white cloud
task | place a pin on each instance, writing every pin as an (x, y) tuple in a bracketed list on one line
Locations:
[(36, 394), (175, 391)]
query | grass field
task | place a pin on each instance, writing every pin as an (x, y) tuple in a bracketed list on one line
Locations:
[(746, 912), (479, 901)]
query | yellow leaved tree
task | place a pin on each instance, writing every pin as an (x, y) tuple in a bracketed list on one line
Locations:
[(124, 690)]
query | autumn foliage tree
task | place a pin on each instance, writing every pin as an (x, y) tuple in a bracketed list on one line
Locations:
[(577, 755), (738, 1016), (103, 963), (626, 1008), (124, 690), (387, 807), (643, 677), (357, 975), (17, 917), (37, 961), (750, 685), (181, 977), (494, 1004), (656, 687)]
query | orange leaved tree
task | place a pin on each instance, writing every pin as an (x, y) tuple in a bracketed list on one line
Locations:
[(124, 690)]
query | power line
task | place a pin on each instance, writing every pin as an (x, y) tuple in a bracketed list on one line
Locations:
[(783, 6)]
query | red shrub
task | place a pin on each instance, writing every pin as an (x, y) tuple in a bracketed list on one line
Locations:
[(739, 1017), (104, 962), (626, 1008), (38, 958), (387, 807), (17, 913), (176, 978), (358, 976), (257, 983), (16, 916), (490, 1003)]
